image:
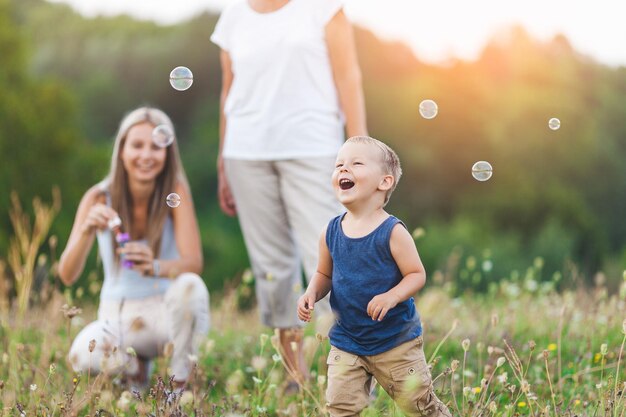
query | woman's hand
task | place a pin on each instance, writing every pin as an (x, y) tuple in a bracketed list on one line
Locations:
[(140, 255), (97, 218), (227, 201)]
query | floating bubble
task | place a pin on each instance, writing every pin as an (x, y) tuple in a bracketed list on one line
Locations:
[(173, 200), (163, 136), (181, 78), (482, 170), (428, 109), (554, 123)]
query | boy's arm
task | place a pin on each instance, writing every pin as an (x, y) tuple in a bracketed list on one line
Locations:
[(405, 254), (320, 283)]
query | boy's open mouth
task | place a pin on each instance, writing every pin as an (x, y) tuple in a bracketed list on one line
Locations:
[(346, 184)]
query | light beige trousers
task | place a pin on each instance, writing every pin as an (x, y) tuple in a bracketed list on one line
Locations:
[(283, 207), (402, 371), (181, 317)]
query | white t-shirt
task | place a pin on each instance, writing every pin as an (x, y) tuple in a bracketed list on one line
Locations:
[(282, 103)]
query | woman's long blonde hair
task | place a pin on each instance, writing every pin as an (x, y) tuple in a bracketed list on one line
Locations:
[(116, 181)]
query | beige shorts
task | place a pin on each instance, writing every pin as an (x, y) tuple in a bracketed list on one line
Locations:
[(401, 371), (283, 207)]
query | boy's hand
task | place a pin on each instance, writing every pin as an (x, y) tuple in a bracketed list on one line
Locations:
[(380, 305), (305, 306)]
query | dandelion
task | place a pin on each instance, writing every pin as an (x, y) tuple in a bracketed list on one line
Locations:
[(75, 381), (552, 347), (465, 344), (259, 363), (576, 402), (521, 404), (597, 357), (476, 390)]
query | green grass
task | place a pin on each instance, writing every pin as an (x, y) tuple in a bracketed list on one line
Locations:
[(508, 353)]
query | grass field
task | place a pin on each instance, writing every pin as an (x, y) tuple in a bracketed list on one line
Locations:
[(521, 350)]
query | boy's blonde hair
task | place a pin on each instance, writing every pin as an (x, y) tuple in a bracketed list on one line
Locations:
[(390, 161)]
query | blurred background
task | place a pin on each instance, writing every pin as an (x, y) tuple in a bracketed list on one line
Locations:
[(555, 206)]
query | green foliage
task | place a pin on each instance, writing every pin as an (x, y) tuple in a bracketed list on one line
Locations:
[(68, 80)]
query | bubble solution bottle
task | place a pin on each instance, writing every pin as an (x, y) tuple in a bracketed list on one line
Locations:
[(115, 225)]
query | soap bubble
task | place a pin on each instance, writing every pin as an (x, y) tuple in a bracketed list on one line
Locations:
[(181, 78), (163, 136), (428, 109), (482, 170), (554, 123), (173, 200)]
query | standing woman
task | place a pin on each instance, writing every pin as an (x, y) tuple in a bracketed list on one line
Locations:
[(152, 294), (291, 84)]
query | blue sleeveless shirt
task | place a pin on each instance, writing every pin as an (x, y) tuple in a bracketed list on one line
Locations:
[(363, 267)]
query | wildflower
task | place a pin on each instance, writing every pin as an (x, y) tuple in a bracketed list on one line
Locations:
[(33, 387), (70, 312), (466, 391), (476, 390), (276, 358), (500, 361), (597, 357), (186, 398), (465, 344), (75, 381), (487, 265), (502, 378), (483, 382), (124, 400), (92, 345), (454, 365), (52, 369), (321, 380), (521, 404), (545, 354), (532, 344), (604, 349), (552, 347), (259, 363), (263, 339), (256, 380), (576, 402), (492, 407), (525, 386)]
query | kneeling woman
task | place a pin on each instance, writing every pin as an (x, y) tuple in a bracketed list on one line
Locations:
[(152, 295)]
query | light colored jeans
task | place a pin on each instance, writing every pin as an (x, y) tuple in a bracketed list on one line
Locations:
[(181, 317), (283, 207)]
